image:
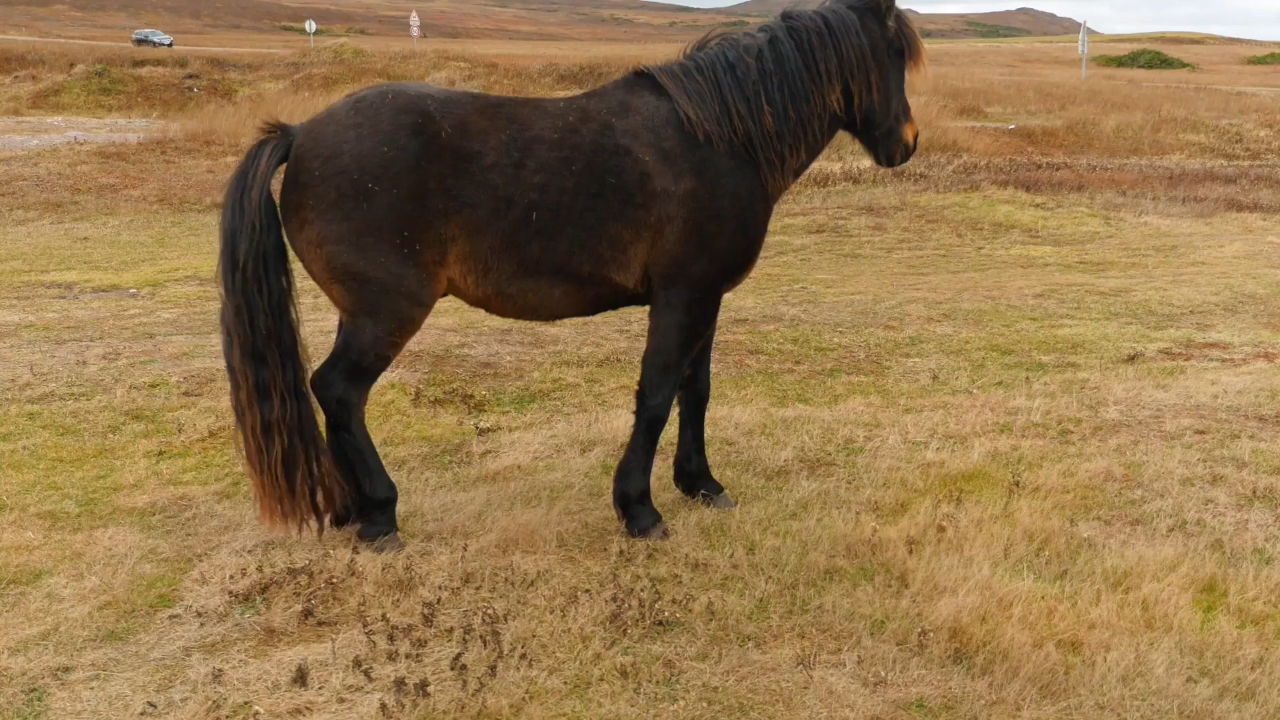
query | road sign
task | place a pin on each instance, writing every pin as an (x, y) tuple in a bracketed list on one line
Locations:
[(415, 31), (310, 27), (413, 19), (1084, 49)]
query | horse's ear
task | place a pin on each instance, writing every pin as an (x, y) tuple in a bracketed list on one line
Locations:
[(888, 7)]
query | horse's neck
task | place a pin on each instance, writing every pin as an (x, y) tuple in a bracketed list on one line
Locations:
[(809, 155)]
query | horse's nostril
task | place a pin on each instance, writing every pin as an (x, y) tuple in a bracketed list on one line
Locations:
[(910, 133)]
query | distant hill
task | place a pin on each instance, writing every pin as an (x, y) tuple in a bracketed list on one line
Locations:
[(1023, 22)]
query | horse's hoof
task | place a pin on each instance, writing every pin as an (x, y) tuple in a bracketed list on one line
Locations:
[(657, 532), (387, 544), (723, 501), (341, 520)]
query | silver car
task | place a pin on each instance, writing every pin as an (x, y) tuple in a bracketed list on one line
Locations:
[(151, 38)]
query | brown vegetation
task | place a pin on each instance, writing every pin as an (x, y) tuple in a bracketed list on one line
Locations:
[(1001, 422)]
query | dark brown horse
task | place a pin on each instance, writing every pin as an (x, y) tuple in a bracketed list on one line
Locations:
[(655, 189)]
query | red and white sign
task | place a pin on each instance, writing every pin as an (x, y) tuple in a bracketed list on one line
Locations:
[(413, 20), (415, 31)]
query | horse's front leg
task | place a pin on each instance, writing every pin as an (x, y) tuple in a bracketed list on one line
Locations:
[(680, 323), (692, 470)]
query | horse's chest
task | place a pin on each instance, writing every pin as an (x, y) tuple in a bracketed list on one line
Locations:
[(737, 263)]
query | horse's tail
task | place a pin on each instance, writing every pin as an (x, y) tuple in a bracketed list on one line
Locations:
[(293, 475)]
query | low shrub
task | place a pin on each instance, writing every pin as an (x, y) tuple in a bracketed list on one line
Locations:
[(1144, 59)]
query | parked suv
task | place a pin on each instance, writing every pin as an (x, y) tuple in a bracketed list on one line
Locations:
[(152, 38)]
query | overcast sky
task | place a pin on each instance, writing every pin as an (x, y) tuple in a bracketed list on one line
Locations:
[(1257, 19)]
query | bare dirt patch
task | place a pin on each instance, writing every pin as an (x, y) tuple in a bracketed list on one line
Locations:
[(35, 133)]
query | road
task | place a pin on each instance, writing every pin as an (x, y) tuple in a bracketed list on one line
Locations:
[(24, 38)]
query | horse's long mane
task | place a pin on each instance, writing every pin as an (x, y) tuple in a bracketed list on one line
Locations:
[(772, 92)]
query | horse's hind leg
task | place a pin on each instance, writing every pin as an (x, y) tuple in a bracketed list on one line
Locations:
[(365, 347), (692, 471)]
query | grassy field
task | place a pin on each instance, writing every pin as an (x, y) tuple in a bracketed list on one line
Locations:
[(1001, 423)]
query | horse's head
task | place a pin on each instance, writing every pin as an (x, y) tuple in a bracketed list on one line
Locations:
[(877, 112), (780, 93)]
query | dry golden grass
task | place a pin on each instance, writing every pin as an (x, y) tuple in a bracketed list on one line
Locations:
[(1002, 425), (972, 94)]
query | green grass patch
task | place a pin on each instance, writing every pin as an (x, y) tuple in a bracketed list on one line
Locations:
[(342, 51), (89, 88), (1210, 600), (299, 29), (922, 708), (13, 578), (1268, 59), (1144, 59), (34, 704), (987, 30), (974, 482), (290, 27), (155, 592)]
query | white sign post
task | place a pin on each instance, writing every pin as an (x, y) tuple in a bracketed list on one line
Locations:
[(1084, 50), (415, 28), (310, 27)]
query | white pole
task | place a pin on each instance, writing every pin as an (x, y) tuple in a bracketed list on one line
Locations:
[(1084, 50)]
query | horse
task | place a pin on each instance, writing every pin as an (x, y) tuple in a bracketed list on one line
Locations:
[(655, 189)]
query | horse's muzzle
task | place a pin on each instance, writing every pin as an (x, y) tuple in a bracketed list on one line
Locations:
[(895, 155), (894, 151), (907, 148)]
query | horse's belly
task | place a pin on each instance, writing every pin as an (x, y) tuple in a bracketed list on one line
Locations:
[(550, 276), (543, 299)]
